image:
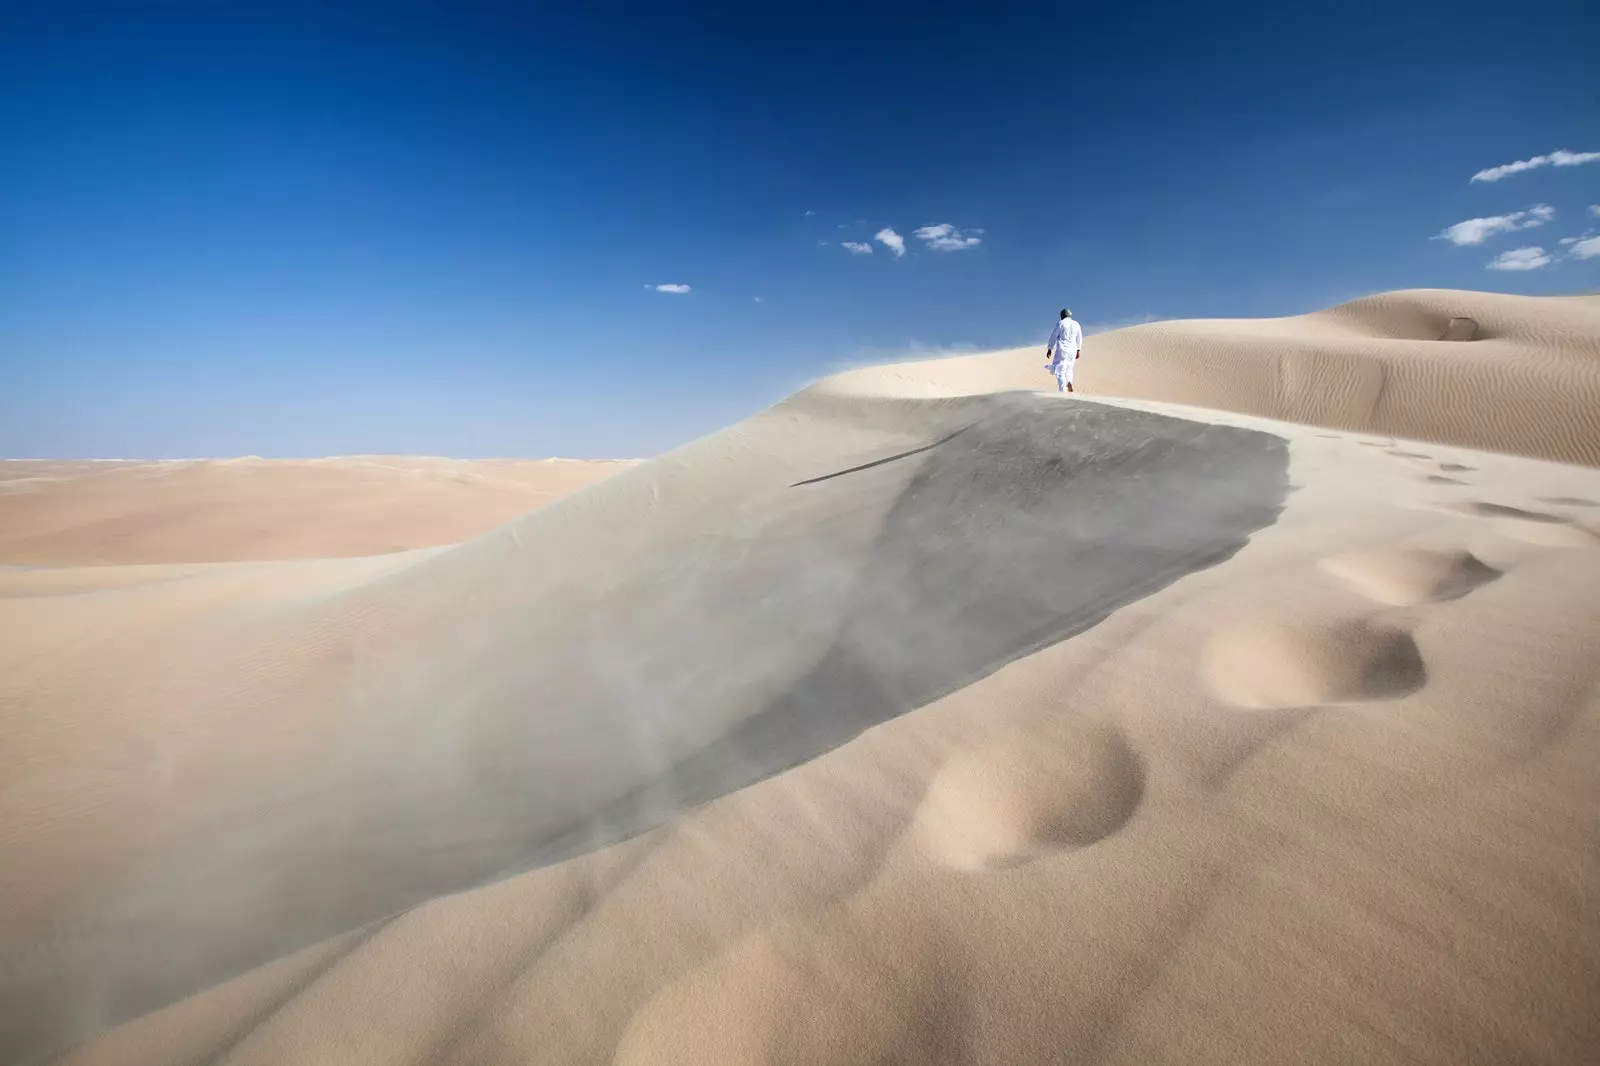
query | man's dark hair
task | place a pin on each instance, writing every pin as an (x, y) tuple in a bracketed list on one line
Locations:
[(1065, 313)]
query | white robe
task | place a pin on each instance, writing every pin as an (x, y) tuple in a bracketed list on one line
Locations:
[(1066, 339), (1065, 342)]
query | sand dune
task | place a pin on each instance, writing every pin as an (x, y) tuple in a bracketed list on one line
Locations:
[(908, 721), (72, 513), (1515, 374)]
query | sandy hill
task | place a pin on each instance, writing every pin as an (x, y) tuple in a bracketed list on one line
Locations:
[(916, 719), (1482, 370), (67, 513)]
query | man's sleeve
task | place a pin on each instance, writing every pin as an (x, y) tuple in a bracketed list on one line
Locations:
[(1055, 338)]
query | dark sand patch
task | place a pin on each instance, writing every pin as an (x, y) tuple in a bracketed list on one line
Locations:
[(1023, 521), (1034, 525)]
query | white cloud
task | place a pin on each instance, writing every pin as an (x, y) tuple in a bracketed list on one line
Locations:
[(891, 240), (1531, 258), (1585, 248), (857, 247), (1560, 158), (943, 237), (1476, 230), (760, 300), (810, 213), (677, 290), (1594, 209)]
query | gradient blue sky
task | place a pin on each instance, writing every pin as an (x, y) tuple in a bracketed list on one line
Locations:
[(282, 230)]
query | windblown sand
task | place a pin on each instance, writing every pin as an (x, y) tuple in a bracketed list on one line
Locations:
[(1253, 716)]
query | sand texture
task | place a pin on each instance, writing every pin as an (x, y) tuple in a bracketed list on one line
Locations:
[(67, 513), (915, 719), (1515, 374)]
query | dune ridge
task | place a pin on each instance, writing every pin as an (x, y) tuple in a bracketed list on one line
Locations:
[(909, 720), (1518, 374)]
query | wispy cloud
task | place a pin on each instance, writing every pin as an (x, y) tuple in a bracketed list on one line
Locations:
[(759, 300), (1559, 158), (810, 213), (857, 247), (943, 237), (891, 240), (1477, 230), (1594, 209), (1531, 258), (677, 290), (1585, 248), (1585, 235)]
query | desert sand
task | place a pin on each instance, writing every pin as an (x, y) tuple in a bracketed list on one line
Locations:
[(1243, 708), (77, 513)]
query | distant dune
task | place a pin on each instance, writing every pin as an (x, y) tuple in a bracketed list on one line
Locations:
[(1244, 708), (64, 513)]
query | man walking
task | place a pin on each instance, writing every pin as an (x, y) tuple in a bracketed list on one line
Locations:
[(1063, 349)]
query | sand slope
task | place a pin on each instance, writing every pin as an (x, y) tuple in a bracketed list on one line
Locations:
[(480, 710), (1183, 737), (1517, 374), (67, 513)]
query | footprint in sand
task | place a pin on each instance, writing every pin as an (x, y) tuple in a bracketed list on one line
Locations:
[(1406, 576), (1456, 468), (1568, 501), (1533, 527), (1407, 455), (1029, 793), (1440, 479), (1269, 667)]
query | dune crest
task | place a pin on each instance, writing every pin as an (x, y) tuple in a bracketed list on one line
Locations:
[(1518, 374), (913, 719)]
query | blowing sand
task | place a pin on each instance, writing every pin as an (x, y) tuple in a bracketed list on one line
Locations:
[(1481, 370), (912, 720)]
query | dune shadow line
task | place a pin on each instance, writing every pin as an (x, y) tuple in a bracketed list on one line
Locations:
[(880, 462), (1044, 520)]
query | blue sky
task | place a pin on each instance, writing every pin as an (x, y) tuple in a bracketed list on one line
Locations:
[(279, 230)]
